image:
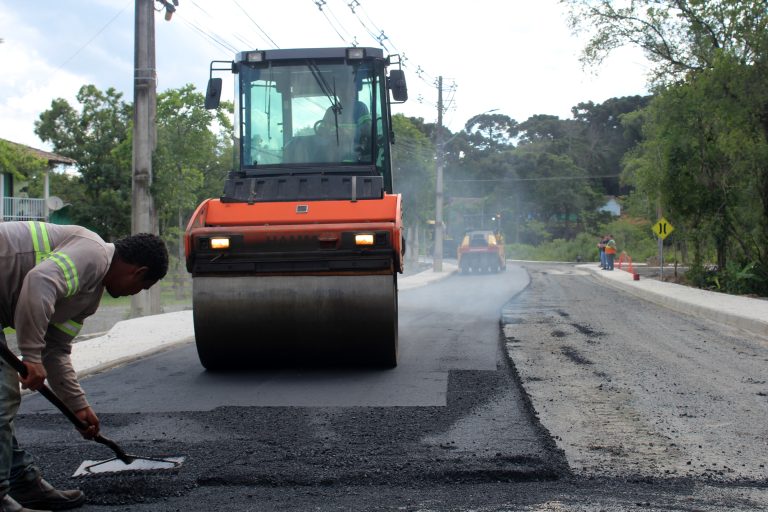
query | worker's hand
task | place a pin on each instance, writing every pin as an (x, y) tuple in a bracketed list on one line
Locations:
[(89, 417), (35, 376)]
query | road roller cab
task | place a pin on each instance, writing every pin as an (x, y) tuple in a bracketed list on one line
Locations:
[(298, 259)]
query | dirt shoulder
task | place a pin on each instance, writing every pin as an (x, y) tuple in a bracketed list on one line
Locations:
[(630, 389)]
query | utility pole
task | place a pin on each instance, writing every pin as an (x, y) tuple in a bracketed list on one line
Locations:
[(143, 215), (437, 264)]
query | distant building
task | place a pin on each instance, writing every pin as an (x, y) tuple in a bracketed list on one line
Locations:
[(611, 206), (14, 204)]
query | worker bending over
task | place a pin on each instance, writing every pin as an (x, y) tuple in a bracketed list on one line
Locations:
[(51, 279)]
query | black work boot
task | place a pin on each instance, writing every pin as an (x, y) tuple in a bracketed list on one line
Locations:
[(9, 504), (39, 494)]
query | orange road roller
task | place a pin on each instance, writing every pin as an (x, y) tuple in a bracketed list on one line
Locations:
[(297, 261)]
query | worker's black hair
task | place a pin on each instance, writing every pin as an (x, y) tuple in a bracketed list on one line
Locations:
[(145, 250)]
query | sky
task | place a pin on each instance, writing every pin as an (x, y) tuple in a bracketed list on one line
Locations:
[(517, 57)]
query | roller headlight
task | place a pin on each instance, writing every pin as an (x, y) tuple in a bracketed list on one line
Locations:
[(220, 243), (364, 239)]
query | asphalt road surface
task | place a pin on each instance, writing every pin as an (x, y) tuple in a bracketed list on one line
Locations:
[(450, 412), (581, 399)]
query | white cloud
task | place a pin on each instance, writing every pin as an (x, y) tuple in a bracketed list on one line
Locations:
[(515, 55), (29, 84)]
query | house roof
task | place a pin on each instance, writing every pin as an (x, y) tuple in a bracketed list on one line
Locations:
[(51, 158)]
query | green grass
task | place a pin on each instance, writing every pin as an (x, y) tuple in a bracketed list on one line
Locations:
[(167, 296)]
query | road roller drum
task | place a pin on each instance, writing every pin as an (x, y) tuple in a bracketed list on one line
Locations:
[(252, 321)]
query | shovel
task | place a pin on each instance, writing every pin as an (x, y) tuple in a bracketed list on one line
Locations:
[(121, 461)]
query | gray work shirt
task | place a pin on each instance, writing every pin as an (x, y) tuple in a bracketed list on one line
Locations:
[(50, 281)]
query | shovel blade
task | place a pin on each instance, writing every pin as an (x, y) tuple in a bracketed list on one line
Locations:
[(115, 465)]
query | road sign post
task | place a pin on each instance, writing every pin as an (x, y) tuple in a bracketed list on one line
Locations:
[(662, 229)]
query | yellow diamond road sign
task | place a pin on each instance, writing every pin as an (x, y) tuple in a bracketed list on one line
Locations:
[(663, 228)]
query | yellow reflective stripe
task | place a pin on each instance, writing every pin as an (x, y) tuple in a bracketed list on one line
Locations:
[(35, 243), (63, 266), (39, 234), (33, 232), (69, 327), (365, 118), (46, 240), (75, 277), (68, 269)]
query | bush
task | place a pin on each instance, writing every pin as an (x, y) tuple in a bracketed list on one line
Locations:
[(581, 248), (735, 278), (633, 236)]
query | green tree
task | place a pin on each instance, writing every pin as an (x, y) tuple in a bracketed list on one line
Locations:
[(603, 138), (552, 189), (22, 164), (491, 131), (707, 134), (542, 183), (189, 159), (679, 36), (414, 170), (97, 137), (64, 185)]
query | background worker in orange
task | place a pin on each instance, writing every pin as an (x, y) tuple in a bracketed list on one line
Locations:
[(610, 252), (51, 278)]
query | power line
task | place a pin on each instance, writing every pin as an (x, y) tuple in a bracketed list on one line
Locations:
[(274, 44), (320, 4), (541, 178), (414, 149), (350, 36), (246, 43), (378, 34), (354, 4), (380, 37), (239, 37), (89, 41), (201, 9), (211, 37), (449, 102)]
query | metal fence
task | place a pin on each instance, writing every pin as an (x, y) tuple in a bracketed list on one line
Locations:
[(22, 208)]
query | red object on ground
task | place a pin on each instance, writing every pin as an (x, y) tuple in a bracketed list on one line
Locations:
[(626, 257)]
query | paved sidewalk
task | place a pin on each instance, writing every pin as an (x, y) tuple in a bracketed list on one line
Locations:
[(749, 314)]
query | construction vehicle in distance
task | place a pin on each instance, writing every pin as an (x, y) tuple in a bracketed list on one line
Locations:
[(481, 251), (297, 261)]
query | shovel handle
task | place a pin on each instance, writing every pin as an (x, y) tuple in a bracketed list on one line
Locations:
[(17, 365)]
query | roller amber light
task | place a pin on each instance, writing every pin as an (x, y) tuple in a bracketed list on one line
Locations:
[(364, 239), (219, 243)]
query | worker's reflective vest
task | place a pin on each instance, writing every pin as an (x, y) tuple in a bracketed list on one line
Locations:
[(42, 245)]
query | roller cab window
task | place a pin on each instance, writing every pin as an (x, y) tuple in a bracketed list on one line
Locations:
[(311, 114)]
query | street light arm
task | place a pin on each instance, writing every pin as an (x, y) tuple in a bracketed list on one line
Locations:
[(471, 120), (468, 123)]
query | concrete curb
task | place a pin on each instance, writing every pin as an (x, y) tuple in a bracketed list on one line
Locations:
[(426, 277), (744, 313), (131, 339)]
